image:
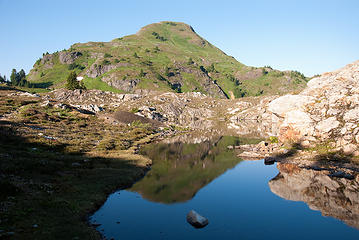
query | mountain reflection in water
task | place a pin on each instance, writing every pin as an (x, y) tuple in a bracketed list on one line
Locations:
[(336, 197), (181, 168)]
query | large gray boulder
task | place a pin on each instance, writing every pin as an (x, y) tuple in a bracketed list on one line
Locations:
[(282, 105)]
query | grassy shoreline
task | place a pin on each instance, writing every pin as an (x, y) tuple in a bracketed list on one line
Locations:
[(58, 166), (49, 203)]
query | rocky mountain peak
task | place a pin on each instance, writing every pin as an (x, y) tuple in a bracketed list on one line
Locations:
[(167, 57)]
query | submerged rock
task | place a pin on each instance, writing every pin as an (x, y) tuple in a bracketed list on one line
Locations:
[(196, 220)]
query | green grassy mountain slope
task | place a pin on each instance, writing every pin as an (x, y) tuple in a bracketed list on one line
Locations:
[(165, 56)]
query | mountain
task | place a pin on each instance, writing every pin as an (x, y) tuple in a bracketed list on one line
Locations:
[(165, 56)]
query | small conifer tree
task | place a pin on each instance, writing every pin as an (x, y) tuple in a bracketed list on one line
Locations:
[(72, 83)]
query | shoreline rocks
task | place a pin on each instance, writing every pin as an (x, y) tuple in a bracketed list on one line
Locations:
[(326, 111)]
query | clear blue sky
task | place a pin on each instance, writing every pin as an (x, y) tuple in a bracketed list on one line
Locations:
[(306, 35)]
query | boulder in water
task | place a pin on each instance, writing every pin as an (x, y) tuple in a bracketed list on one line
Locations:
[(196, 220)]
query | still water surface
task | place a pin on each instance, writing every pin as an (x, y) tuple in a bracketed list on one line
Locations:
[(234, 195)]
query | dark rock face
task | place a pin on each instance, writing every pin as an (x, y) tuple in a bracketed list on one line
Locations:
[(332, 196), (97, 70), (69, 57), (47, 61)]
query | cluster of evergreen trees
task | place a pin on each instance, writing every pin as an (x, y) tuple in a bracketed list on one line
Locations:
[(19, 78)]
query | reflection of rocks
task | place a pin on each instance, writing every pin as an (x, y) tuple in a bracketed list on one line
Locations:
[(251, 117), (333, 196), (193, 137)]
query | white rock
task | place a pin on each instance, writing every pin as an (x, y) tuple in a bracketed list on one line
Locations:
[(349, 149), (352, 115), (327, 125), (284, 104), (333, 111), (305, 144), (300, 121)]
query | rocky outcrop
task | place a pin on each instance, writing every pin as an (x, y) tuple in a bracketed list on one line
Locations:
[(127, 85), (327, 110), (97, 70), (151, 113), (188, 110), (68, 57), (47, 61), (330, 193)]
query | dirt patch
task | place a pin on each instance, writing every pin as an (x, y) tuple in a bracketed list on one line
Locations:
[(128, 118)]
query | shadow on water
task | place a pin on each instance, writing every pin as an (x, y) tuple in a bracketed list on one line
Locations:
[(321, 186), (181, 169)]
